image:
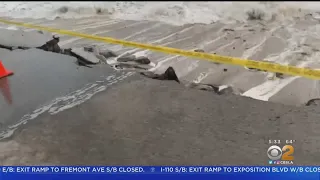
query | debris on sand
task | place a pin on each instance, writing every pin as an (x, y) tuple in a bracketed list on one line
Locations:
[(133, 58), (204, 87), (255, 14), (169, 74), (228, 29), (142, 60), (198, 50), (313, 102)]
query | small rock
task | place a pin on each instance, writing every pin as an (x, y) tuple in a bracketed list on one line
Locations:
[(107, 54), (234, 48), (238, 37), (41, 32), (204, 87), (198, 50), (126, 58), (169, 74), (89, 48), (225, 70), (244, 40), (251, 30), (142, 60)]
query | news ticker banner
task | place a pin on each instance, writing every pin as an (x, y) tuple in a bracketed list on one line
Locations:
[(159, 172), (156, 169)]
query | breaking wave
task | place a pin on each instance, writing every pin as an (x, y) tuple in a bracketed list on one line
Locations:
[(171, 12)]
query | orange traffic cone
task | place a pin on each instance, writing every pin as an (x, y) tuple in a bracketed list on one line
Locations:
[(4, 84), (4, 72), (5, 90)]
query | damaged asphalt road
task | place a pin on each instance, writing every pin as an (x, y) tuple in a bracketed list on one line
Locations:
[(47, 82)]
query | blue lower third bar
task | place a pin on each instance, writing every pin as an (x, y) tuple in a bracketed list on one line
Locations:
[(158, 172), (157, 169)]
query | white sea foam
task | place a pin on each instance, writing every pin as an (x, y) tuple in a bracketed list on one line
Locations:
[(171, 12)]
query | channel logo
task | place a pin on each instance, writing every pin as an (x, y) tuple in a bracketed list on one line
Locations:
[(280, 156)]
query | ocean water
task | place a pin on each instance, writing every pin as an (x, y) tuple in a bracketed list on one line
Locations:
[(170, 12)]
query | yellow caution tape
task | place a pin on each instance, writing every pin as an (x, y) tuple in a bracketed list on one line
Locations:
[(267, 66)]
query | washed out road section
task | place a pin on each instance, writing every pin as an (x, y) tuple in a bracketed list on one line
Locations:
[(48, 82)]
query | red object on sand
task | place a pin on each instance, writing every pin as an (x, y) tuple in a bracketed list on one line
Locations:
[(4, 72), (5, 90)]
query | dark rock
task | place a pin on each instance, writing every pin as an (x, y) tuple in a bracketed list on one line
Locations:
[(203, 87), (52, 45), (98, 11), (313, 102), (227, 29), (169, 74), (225, 70), (63, 9), (198, 50), (142, 60), (279, 75), (255, 14), (89, 48), (126, 58)]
